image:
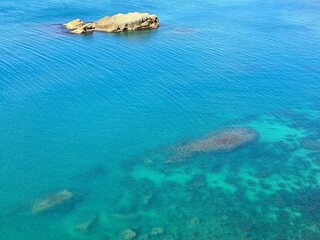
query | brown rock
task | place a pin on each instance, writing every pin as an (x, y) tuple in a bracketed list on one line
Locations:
[(116, 23), (77, 23), (89, 27), (127, 22)]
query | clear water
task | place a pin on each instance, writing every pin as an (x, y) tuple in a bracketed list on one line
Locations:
[(99, 114)]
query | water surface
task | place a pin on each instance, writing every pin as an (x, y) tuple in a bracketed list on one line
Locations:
[(99, 115)]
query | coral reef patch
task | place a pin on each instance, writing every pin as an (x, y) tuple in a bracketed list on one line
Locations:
[(52, 201), (224, 140)]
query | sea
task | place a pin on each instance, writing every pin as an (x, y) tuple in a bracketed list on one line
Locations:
[(144, 135)]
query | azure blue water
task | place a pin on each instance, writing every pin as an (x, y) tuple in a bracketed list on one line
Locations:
[(205, 128)]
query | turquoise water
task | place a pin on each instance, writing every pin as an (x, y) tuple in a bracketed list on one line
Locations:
[(100, 114)]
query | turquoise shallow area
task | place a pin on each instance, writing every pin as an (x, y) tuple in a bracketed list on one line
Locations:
[(99, 115)]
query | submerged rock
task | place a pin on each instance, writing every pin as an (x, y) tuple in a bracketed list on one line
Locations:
[(195, 221), (128, 234), (224, 140), (310, 144), (116, 23), (155, 231), (87, 226), (146, 198), (52, 201)]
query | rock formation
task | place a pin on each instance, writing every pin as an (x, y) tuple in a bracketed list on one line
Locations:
[(116, 23), (77, 23), (52, 201)]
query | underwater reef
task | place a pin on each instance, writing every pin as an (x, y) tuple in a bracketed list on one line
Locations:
[(223, 140), (52, 201), (230, 186)]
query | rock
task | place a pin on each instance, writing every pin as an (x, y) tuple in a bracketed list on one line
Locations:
[(52, 201), (87, 226), (89, 27), (128, 234), (116, 23), (127, 22), (221, 141), (77, 23), (195, 221), (157, 231)]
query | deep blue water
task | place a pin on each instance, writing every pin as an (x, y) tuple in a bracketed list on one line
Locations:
[(99, 114)]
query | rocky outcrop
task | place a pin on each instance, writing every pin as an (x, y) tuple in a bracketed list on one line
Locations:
[(77, 23), (116, 23)]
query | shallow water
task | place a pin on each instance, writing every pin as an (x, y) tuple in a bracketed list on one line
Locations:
[(99, 115)]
